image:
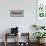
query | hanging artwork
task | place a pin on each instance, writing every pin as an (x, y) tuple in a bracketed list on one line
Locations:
[(41, 12), (41, 8), (17, 13)]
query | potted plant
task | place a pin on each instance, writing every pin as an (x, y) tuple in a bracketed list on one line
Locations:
[(38, 27), (39, 35), (35, 26), (42, 27)]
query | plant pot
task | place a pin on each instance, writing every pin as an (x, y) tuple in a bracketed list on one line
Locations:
[(40, 41)]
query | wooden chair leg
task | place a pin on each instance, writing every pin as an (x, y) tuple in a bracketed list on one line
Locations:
[(17, 39), (5, 43), (5, 39)]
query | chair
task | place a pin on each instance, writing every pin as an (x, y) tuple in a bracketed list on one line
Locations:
[(7, 34), (25, 36), (14, 32)]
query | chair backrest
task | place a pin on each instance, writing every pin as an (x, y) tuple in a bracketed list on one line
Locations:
[(14, 30)]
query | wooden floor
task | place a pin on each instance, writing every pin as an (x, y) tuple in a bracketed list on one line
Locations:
[(13, 44)]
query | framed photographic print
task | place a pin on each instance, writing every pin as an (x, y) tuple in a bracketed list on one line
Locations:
[(41, 12), (17, 13), (41, 8)]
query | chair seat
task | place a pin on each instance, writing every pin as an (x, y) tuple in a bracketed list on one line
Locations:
[(9, 34)]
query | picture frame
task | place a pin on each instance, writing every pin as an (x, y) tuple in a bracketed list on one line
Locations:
[(17, 13), (40, 12)]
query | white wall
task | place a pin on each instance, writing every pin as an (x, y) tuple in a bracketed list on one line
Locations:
[(24, 23)]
